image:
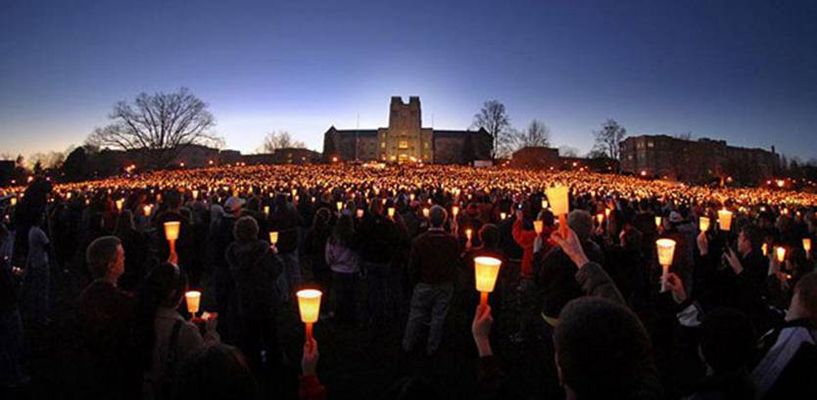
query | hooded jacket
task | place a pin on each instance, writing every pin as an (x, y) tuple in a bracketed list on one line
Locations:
[(254, 270)]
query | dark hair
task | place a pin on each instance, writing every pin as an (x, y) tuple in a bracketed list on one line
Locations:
[(100, 254), (164, 285), (216, 372), (124, 223), (173, 199), (489, 235), (604, 352), (245, 229), (437, 216), (727, 339), (344, 231), (753, 235)]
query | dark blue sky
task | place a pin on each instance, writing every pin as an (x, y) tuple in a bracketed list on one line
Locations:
[(745, 71)]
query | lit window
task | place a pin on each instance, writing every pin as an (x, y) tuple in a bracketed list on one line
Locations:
[(382, 145), (403, 144), (650, 144), (425, 144)]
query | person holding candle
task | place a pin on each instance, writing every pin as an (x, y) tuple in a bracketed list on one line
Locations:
[(136, 248), (556, 271), (255, 270), (164, 339), (432, 267), (489, 237), (174, 212)]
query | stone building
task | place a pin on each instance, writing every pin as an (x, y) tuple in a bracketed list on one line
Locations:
[(696, 161), (405, 140)]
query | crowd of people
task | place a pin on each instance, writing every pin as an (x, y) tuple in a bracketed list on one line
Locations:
[(734, 317)]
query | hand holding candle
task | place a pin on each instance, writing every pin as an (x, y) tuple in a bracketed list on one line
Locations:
[(666, 251), (309, 306), (538, 226), (172, 234), (486, 270)]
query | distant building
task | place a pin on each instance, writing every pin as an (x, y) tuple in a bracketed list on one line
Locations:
[(537, 157), (696, 161), (405, 140)]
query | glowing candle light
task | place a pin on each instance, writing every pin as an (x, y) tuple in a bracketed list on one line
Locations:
[(339, 205), (725, 219), (273, 237), (486, 270), (120, 204), (147, 209), (658, 221), (390, 212), (559, 204), (195, 194), (193, 299), (599, 218), (765, 249), (538, 226), (666, 250), (266, 210), (172, 230), (360, 213), (607, 213), (425, 212), (468, 234), (807, 245), (703, 224), (780, 253), (503, 215), (455, 210), (309, 306)]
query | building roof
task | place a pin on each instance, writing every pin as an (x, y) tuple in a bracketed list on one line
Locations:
[(359, 132)]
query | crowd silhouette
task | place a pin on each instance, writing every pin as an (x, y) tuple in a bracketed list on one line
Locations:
[(93, 298)]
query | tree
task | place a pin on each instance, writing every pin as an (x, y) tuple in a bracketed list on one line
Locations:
[(536, 135), (567, 151), (609, 138), (494, 119), (280, 140), (158, 125)]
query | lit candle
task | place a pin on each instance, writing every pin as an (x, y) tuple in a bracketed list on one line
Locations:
[(147, 209), (666, 250), (807, 245), (658, 221), (703, 224), (266, 210), (455, 210), (765, 249), (544, 204), (120, 204), (309, 305), (339, 205), (538, 226), (780, 252), (503, 215), (599, 218), (486, 270), (273, 237), (360, 213), (195, 194), (390, 212), (193, 299), (425, 212), (468, 234), (172, 230), (606, 213), (559, 204), (725, 219)]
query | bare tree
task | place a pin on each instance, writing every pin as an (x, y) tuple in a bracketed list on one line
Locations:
[(536, 135), (160, 125), (494, 119), (53, 159), (609, 138), (279, 140)]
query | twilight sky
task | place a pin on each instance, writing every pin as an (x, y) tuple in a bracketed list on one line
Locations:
[(744, 71)]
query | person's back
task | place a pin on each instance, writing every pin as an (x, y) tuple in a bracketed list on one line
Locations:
[(434, 257)]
